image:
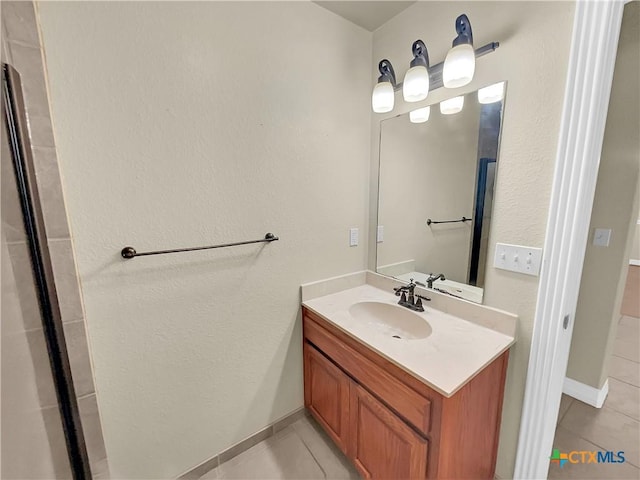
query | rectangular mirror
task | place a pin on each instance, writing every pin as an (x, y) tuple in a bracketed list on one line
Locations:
[(435, 193)]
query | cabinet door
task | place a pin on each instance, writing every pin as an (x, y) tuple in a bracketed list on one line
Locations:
[(381, 445), (326, 395)]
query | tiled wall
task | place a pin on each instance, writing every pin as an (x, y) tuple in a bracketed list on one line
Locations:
[(21, 48), (33, 444)]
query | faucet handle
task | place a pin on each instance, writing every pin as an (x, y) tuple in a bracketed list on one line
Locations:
[(418, 305)]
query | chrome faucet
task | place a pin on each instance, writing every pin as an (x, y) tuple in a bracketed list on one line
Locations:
[(432, 278), (408, 297)]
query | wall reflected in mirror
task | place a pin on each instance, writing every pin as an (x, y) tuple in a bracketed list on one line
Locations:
[(435, 198)]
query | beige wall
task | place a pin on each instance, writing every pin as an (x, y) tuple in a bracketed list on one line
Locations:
[(615, 206), (184, 124), (535, 40), (635, 245), (428, 170)]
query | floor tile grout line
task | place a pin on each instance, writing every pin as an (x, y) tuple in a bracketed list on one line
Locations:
[(622, 317), (589, 441), (293, 430), (603, 408), (565, 412), (626, 415), (624, 381), (599, 446), (624, 358), (310, 452), (627, 358), (621, 413)]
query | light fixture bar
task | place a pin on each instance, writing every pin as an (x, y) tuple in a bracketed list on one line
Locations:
[(435, 72)]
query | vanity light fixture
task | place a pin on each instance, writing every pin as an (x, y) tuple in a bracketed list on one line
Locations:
[(383, 95), (420, 115), (491, 94), (416, 81), (456, 71), (451, 106), (460, 63)]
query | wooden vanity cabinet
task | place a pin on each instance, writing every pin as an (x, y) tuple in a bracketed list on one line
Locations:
[(380, 444), (390, 424), (326, 395)]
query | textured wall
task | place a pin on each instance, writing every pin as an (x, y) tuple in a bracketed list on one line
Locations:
[(183, 124), (535, 40), (22, 48), (428, 170), (635, 245), (614, 206)]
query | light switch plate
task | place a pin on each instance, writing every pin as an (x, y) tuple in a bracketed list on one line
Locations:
[(380, 236), (516, 258), (353, 237), (602, 237)]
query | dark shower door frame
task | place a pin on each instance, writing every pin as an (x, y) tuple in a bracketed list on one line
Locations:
[(478, 219), (16, 125)]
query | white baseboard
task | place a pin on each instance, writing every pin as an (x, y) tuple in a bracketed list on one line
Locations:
[(586, 393), (634, 262)]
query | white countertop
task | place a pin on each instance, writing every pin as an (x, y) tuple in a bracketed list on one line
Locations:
[(461, 290), (446, 360)]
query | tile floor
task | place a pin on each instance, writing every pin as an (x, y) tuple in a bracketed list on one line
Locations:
[(304, 451), (300, 451), (613, 427)]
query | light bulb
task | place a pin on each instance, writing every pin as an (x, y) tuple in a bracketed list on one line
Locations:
[(451, 106), (382, 98), (492, 93), (459, 66), (416, 84), (420, 115)]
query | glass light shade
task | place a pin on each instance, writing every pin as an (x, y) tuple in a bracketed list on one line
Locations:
[(382, 98), (451, 106), (420, 115), (492, 93), (416, 84), (459, 66)]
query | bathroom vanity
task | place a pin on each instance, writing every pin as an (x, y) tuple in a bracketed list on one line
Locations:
[(406, 398)]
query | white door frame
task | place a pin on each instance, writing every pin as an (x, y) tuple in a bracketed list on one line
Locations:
[(594, 46)]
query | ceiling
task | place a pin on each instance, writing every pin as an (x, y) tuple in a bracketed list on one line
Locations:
[(368, 15)]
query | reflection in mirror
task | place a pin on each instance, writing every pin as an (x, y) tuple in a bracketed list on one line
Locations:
[(436, 195)]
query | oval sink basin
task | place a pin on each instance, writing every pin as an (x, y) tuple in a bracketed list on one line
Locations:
[(393, 320)]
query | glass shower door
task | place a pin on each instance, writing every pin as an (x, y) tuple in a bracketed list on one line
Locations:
[(33, 443), (41, 437)]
